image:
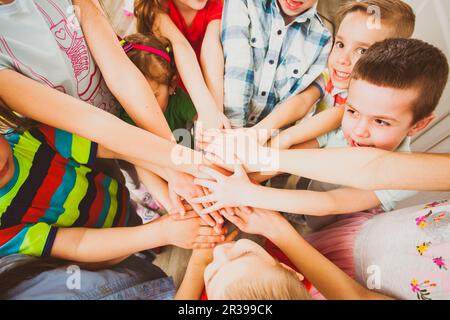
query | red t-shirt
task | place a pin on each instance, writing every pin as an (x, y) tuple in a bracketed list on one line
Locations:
[(195, 33)]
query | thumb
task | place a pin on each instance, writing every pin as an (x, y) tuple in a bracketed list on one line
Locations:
[(177, 204), (239, 168)]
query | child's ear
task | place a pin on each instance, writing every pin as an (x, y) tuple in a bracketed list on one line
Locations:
[(299, 275), (421, 124), (173, 83)]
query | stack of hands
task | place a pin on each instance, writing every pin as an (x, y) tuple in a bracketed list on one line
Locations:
[(221, 188)]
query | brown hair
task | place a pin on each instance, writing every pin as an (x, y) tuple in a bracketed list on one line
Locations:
[(152, 65), (406, 64), (278, 283), (145, 12), (396, 14)]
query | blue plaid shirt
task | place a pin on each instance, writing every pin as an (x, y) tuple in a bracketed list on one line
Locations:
[(267, 61)]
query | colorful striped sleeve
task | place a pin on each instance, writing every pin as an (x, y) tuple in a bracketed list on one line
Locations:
[(68, 145), (29, 239)]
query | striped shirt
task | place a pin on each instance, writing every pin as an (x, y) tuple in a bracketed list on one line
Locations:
[(267, 61), (53, 188)]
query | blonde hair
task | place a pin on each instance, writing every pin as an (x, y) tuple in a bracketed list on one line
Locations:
[(398, 15), (279, 283)]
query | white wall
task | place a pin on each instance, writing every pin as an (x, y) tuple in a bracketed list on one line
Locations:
[(433, 26)]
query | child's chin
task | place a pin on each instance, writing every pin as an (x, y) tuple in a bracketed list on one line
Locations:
[(341, 84)]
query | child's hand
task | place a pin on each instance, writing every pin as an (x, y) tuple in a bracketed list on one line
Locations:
[(191, 233), (261, 222), (204, 257), (213, 121), (224, 146), (182, 185), (225, 192), (281, 141)]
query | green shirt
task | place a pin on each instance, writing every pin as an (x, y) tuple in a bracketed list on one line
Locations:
[(179, 112)]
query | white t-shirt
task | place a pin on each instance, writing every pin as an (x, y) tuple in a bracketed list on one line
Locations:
[(43, 40), (388, 198)]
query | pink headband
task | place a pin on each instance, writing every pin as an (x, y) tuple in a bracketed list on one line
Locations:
[(127, 47)]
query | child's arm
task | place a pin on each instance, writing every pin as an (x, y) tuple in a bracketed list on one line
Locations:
[(98, 245), (73, 115), (128, 84), (237, 190), (124, 80), (191, 74), (328, 279), (212, 62), (196, 191), (290, 111), (354, 167), (309, 129)]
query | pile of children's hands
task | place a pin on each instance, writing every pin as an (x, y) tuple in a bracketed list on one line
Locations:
[(247, 146), (225, 193), (252, 222), (221, 193)]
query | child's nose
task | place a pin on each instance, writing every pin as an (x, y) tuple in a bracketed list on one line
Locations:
[(344, 59), (361, 129)]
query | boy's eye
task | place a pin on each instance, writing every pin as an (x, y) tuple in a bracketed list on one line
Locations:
[(339, 44), (382, 123), (362, 51)]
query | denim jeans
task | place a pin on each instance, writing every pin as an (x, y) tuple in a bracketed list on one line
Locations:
[(134, 279)]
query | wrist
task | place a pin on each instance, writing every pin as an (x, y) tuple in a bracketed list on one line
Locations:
[(250, 195), (199, 262), (267, 160), (161, 229), (280, 232)]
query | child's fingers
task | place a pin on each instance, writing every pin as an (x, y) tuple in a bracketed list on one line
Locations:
[(217, 217), (177, 204), (211, 133), (246, 210), (210, 239), (187, 216), (229, 211), (218, 161), (215, 207), (211, 172), (227, 124), (208, 231), (238, 167), (205, 183), (237, 221), (206, 218), (206, 138), (204, 199), (203, 245)]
